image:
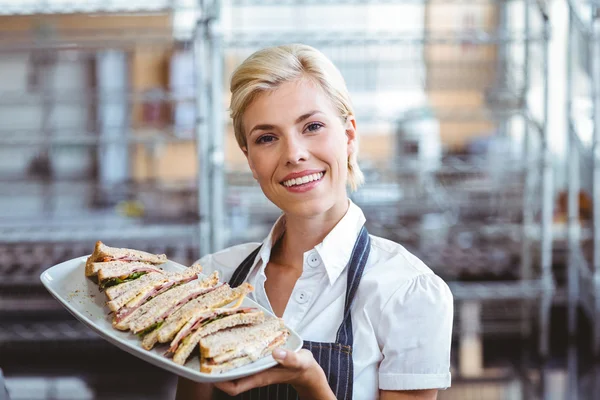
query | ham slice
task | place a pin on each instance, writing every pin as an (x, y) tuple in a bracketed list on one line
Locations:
[(124, 258)]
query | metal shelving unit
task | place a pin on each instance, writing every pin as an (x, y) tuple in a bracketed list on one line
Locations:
[(583, 171), (50, 7), (50, 218), (379, 38), (79, 45), (397, 195)]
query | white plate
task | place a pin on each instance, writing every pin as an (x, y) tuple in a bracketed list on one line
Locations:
[(68, 284)]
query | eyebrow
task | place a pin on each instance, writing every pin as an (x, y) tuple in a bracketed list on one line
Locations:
[(306, 116), (266, 127)]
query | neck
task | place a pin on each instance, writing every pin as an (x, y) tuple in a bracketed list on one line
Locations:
[(304, 233)]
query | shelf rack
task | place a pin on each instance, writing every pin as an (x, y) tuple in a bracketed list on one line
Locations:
[(32, 237), (50, 43), (583, 171), (503, 83)]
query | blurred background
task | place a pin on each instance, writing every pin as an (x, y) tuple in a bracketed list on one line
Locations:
[(479, 130)]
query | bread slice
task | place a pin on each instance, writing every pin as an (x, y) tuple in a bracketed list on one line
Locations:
[(150, 339), (210, 366), (252, 350), (103, 253), (121, 270), (230, 339), (141, 285), (188, 344), (134, 287)]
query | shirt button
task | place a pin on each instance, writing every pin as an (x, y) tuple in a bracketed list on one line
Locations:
[(313, 259), (301, 297)]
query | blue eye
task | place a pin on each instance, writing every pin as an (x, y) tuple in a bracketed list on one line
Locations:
[(265, 139), (314, 127)]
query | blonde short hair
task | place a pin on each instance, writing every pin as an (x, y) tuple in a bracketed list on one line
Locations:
[(268, 68)]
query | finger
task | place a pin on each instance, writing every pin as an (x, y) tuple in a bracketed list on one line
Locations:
[(291, 360), (229, 387), (241, 385)]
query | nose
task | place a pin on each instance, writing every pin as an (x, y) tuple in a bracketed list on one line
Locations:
[(295, 151)]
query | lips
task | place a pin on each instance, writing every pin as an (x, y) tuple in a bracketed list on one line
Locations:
[(300, 174), (303, 178)]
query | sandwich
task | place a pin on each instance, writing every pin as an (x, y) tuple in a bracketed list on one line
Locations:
[(233, 348), (113, 273), (114, 292), (103, 253), (205, 323), (152, 313), (149, 286), (183, 309), (217, 298)]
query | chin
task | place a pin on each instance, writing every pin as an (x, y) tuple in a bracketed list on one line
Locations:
[(319, 203), (308, 208)]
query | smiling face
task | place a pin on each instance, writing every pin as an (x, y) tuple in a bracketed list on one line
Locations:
[(298, 148)]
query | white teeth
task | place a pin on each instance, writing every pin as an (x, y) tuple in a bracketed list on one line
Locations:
[(303, 180)]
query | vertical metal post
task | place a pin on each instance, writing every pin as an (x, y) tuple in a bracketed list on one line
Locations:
[(202, 142), (502, 63), (573, 223), (46, 165), (528, 212), (470, 344), (217, 132), (547, 211), (595, 81)]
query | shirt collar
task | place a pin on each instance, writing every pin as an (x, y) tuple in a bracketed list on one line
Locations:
[(335, 250), (267, 244)]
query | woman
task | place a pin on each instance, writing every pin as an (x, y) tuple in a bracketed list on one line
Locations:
[(376, 321)]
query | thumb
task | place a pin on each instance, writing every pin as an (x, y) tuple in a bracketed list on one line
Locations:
[(290, 359)]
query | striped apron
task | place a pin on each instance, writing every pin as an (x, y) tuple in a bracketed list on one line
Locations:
[(335, 358)]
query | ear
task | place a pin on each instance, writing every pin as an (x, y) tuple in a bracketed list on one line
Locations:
[(250, 164), (350, 127)]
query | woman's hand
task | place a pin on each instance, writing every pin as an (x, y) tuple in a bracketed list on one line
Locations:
[(190, 390), (300, 370)]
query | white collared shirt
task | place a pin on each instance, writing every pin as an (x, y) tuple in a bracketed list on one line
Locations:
[(402, 313)]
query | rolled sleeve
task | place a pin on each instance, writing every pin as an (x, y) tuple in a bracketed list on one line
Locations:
[(416, 335)]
